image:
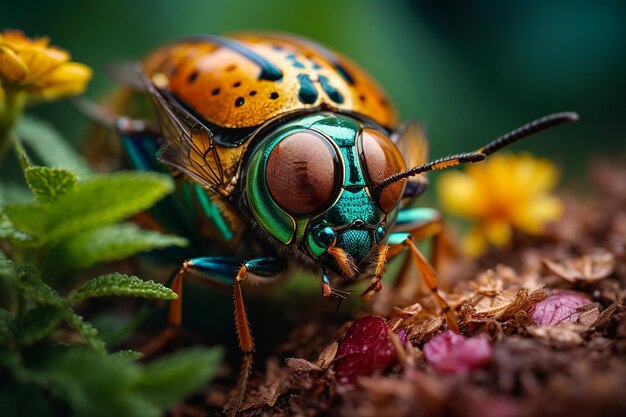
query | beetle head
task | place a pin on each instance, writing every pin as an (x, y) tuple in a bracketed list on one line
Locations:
[(310, 185)]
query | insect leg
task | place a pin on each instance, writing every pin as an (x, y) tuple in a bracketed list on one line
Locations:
[(421, 223), (376, 283), (228, 272)]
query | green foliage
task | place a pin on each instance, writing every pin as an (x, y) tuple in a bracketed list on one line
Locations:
[(168, 379), (47, 184), (105, 244), (98, 201), (115, 385), (121, 285), (49, 146), (52, 360)]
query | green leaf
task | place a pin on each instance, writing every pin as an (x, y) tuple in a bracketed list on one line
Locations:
[(94, 385), (11, 192), (27, 218), (49, 146), (87, 331), (97, 202), (22, 156), (39, 322), (27, 279), (130, 354), (104, 200), (175, 377), (14, 236), (7, 327), (47, 184), (121, 285), (109, 243)]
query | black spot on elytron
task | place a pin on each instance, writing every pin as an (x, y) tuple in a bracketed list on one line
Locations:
[(384, 101), (230, 68), (307, 93), (192, 77), (362, 97), (239, 102), (173, 71), (215, 91), (331, 91), (237, 84), (274, 95), (252, 93)]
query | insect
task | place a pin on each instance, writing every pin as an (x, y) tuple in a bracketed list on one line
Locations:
[(286, 152)]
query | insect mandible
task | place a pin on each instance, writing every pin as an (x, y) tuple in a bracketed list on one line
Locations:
[(286, 152)]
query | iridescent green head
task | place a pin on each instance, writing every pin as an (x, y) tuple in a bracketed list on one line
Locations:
[(309, 184)]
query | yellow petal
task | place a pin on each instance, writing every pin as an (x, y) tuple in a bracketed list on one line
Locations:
[(41, 61), (68, 79), (537, 175), (498, 232), (12, 68), (461, 194), (474, 242), (533, 218)]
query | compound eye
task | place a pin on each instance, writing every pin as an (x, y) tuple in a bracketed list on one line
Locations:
[(382, 158), (303, 173)]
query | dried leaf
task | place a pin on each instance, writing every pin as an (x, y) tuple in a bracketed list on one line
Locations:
[(419, 332), (591, 267), (302, 365), (327, 355), (564, 336)]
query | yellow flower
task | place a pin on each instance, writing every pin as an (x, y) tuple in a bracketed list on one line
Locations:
[(43, 71), (503, 193)]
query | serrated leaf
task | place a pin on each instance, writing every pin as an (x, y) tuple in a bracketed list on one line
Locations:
[(168, 380), (47, 184), (39, 322), (104, 200), (121, 285), (97, 202), (109, 243), (7, 327), (29, 281), (22, 156), (49, 146), (130, 354), (87, 331)]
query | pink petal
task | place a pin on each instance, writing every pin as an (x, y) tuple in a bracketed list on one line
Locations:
[(366, 348), (558, 307), (453, 353)]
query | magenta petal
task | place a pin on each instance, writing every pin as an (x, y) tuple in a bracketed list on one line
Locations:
[(366, 348), (558, 307), (450, 352)]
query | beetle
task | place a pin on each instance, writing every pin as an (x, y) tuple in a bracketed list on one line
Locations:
[(287, 152)]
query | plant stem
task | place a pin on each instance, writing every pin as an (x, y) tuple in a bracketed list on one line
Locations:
[(10, 111)]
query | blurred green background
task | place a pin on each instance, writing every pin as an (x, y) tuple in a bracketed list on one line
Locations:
[(468, 70)]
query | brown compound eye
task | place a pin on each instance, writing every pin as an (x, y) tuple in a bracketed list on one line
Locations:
[(381, 158), (303, 173)]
